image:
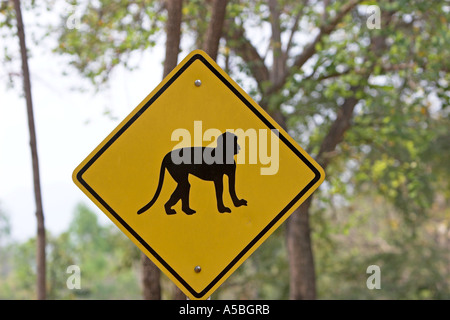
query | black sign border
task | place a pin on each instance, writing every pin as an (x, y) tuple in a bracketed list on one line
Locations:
[(79, 176)]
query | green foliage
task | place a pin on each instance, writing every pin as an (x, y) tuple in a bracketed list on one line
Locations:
[(401, 113), (106, 257), (98, 251), (104, 34), (412, 267), (262, 276), (5, 227), (9, 44)]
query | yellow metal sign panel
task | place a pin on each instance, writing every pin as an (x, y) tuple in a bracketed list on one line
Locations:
[(165, 176)]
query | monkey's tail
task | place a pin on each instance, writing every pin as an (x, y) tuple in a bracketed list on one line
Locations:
[(158, 190)]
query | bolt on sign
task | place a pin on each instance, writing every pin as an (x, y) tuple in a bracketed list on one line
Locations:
[(198, 175)]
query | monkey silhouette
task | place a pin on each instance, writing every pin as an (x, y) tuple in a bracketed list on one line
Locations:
[(209, 164)]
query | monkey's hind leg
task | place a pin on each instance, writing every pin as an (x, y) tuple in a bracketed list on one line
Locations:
[(185, 187), (181, 192), (176, 195)]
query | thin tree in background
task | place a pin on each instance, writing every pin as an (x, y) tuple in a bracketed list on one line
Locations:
[(40, 250)]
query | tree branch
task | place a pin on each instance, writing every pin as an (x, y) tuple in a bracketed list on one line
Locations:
[(278, 65), (310, 49), (237, 41), (291, 36), (337, 130), (345, 114), (324, 30), (326, 3)]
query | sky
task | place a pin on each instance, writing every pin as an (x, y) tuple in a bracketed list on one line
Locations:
[(69, 125)]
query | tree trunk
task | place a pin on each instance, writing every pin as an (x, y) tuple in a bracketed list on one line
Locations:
[(40, 250), (298, 238), (302, 283), (279, 64), (301, 261), (299, 244), (173, 34), (215, 26), (151, 288), (302, 275)]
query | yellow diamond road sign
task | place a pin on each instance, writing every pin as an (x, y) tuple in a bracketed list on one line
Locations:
[(198, 175)]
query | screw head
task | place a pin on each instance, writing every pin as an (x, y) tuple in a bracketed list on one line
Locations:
[(198, 83), (197, 269)]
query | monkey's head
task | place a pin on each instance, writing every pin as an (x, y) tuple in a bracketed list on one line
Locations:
[(228, 143)]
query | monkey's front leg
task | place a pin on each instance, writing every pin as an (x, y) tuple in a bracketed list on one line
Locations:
[(218, 184), (232, 188)]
